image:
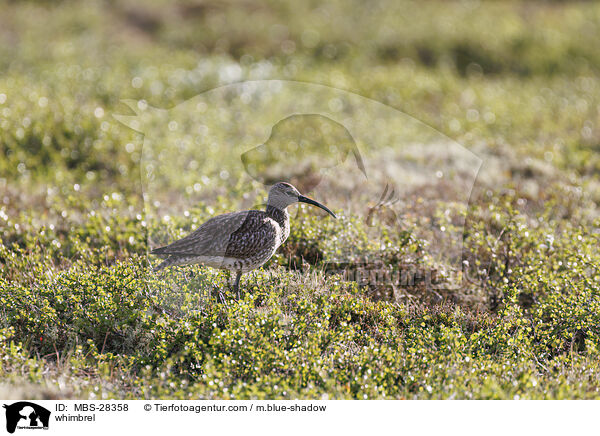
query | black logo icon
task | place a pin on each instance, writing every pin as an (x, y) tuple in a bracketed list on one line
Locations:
[(26, 415)]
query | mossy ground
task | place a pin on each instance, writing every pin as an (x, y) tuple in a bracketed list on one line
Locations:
[(83, 317)]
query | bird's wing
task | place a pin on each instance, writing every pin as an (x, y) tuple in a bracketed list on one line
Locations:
[(259, 232), (232, 234)]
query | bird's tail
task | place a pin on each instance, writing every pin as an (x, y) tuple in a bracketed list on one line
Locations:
[(169, 261), (174, 260)]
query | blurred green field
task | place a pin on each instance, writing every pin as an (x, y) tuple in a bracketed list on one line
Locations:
[(81, 315)]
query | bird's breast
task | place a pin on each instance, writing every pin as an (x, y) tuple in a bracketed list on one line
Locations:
[(284, 231)]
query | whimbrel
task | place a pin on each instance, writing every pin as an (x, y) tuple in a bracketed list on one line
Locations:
[(238, 241)]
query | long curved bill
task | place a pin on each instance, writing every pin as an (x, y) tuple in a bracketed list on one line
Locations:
[(303, 199)]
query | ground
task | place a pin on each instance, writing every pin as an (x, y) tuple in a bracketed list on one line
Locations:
[(82, 316)]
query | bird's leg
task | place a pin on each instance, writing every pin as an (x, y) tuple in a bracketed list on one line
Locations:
[(236, 286), (222, 298)]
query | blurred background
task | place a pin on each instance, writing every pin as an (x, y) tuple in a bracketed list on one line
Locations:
[(518, 76)]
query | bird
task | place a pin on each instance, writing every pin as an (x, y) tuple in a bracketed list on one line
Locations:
[(238, 241)]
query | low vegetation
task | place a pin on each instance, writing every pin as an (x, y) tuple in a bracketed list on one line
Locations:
[(83, 316)]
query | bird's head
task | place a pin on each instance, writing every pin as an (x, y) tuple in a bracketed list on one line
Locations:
[(282, 194)]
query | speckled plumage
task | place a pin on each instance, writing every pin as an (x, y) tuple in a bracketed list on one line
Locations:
[(238, 241)]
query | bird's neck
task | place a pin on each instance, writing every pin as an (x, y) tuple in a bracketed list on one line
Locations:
[(279, 215)]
